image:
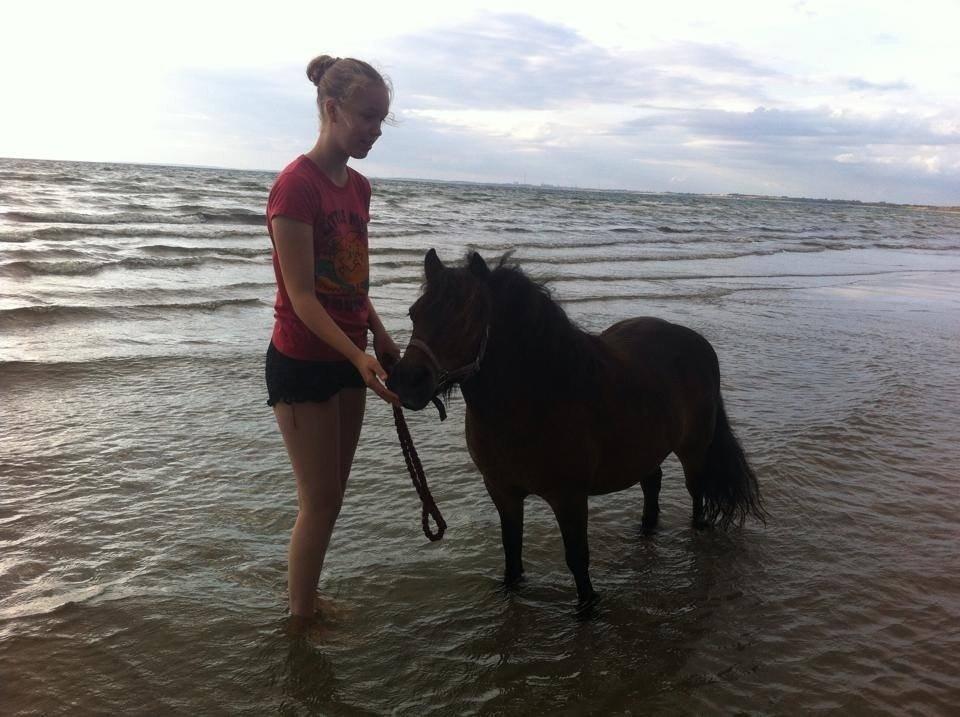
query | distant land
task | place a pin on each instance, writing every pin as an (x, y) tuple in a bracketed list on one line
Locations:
[(727, 195)]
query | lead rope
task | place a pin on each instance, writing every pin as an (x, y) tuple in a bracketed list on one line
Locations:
[(419, 479)]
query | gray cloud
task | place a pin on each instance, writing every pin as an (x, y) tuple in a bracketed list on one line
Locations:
[(764, 125), (520, 62), (858, 84), (683, 143)]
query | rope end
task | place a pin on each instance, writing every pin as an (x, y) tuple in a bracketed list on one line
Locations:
[(440, 408)]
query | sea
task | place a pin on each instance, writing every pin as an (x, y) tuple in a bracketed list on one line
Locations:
[(146, 500)]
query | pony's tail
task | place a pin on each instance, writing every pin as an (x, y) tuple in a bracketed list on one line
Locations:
[(730, 490)]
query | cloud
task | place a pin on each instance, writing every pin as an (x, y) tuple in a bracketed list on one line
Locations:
[(833, 127), (858, 83), (816, 152), (510, 97), (521, 62), (540, 101)]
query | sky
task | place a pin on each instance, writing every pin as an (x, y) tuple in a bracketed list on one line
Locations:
[(840, 99)]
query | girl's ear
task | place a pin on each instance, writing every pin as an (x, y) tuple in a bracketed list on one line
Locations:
[(331, 109), (432, 265)]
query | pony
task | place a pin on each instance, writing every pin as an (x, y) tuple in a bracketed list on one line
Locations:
[(563, 414)]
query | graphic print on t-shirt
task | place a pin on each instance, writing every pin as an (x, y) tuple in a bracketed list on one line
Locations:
[(342, 266)]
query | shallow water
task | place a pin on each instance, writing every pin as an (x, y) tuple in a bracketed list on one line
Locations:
[(146, 500)]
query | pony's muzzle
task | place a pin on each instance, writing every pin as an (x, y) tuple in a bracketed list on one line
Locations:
[(413, 382)]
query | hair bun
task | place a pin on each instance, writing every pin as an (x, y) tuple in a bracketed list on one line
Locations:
[(318, 66)]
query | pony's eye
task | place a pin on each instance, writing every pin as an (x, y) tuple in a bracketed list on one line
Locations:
[(414, 308)]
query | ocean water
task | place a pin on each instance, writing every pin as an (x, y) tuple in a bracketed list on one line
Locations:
[(146, 499)]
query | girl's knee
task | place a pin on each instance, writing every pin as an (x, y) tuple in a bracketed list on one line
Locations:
[(321, 503)]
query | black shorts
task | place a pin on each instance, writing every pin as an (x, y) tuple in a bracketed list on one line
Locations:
[(291, 380)]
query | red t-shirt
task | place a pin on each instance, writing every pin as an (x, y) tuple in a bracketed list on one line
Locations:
[(341, 267)]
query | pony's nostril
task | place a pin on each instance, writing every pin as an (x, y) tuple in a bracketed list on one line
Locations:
[(420, 374), (407, 379)]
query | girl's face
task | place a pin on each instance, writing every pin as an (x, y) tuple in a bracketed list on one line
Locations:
[(361, 119)]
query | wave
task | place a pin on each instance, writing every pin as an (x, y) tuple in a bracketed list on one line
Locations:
[(914, 247), (17, 238), (16, 372), (79, 218), (49, 604), (674, 230), (395, 233), (201, 215), (513, 229), (763, 229), (709, 294), (175, 249), (88, 268), (655, 258), (34, 315), (414, 265), (44, 177), (42, 255), (665, 278), (46, 314), (401, 250), (92, 231), (225, 216)]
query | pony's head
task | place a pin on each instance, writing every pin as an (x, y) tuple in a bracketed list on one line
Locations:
[(451, 321)]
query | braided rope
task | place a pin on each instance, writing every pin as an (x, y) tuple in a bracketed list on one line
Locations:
[(419, 478)]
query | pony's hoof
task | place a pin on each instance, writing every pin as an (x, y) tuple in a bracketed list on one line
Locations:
[(649, 524), (513, 582), (587, 606)]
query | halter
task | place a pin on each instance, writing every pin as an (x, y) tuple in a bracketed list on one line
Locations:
[(445, 378)]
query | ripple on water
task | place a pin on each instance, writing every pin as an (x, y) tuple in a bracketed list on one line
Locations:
[(147, 500)]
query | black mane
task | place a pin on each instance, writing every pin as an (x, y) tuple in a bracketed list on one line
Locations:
[(543, 338)]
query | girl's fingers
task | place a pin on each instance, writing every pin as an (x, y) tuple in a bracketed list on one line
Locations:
[(385, 393), (375, 384)]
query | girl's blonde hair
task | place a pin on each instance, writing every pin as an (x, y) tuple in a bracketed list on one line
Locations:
[(340, 77)]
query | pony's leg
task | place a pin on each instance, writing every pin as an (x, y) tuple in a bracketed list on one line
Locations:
[(571, 512), (651, 500), (693, 476), (510, 507)]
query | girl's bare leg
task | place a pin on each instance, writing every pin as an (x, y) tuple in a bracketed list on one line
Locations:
[(312, 434), (353, 403), (321, 439)]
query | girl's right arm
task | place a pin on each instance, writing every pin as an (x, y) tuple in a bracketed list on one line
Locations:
[(294, 242)]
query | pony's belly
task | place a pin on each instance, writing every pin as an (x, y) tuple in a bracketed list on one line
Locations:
[(603, 484), (619, 472), (542, 462), (566, 462)]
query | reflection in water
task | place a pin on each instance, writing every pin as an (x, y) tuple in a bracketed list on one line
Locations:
[(305, 676), (636, 642)]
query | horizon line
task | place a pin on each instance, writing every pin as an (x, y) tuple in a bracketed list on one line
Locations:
[(526, 185)]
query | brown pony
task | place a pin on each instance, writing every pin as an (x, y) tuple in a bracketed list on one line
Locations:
[(563, 414)]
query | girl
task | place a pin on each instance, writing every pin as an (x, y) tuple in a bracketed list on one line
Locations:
[(317, 370)]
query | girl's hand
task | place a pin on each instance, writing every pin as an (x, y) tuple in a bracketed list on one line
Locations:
[(388, 353), (373, 375)]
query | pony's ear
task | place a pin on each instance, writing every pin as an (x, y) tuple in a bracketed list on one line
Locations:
[(432, 264), (478, 267)]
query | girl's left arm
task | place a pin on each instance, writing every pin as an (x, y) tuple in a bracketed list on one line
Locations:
[(388, 353)]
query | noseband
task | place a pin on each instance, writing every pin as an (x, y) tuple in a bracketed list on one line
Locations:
[(446, 378)]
